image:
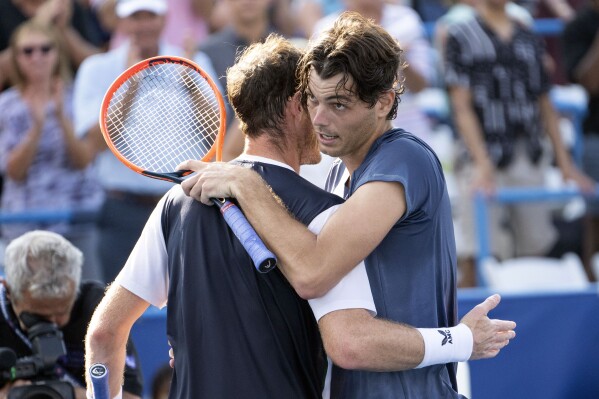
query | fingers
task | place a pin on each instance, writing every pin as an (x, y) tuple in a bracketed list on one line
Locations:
[(503, 325), (489, 304), (214, 180), (192, 186), (491, 342), (481, 310), (171, 355), (192, 164), (189, 183)]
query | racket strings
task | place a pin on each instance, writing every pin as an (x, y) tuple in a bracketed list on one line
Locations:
[(163, 115)]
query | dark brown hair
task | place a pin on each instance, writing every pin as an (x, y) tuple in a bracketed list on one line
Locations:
[(356, 47), (260, 84)]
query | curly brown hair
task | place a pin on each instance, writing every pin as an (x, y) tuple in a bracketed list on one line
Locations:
[(356, 47)]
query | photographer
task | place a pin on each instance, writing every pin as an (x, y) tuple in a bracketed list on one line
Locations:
[(42, 286)]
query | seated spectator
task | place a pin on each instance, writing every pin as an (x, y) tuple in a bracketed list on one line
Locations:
[(40, 156), (42, 281)]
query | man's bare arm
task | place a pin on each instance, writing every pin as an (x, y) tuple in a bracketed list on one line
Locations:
[(109, 330), (313, 264), (354, 339)]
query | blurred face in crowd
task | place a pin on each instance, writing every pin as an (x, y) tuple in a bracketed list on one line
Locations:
[(248, 11), (144, 29), (36, 55), (364, 4), (494, 4), (28, 7)]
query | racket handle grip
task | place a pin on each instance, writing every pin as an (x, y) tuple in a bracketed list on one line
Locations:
[(264, 260), (98, 375)]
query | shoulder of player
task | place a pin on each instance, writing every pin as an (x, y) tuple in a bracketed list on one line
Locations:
[(399, 141)]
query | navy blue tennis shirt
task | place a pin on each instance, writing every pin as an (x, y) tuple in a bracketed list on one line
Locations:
[(412, 272), (238, 333)]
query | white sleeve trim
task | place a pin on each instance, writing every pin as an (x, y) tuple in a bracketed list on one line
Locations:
[(352, 292), (145, 273)]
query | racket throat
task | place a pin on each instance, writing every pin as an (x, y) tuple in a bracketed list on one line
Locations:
[(175, 177)]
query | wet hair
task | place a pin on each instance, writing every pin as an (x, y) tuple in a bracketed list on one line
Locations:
[(357, 48), (260, 84)]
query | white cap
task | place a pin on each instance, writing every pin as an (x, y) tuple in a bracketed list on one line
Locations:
[(125, 8)]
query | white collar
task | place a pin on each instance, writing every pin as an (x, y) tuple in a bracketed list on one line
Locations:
[(256, 158)]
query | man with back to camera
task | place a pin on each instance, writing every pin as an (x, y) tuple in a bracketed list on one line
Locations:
[(42, 278)]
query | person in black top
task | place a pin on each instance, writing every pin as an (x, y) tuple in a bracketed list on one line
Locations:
[(42, 277)]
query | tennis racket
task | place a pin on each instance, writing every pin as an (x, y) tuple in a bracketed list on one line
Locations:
[(98, 375), (163, 111)]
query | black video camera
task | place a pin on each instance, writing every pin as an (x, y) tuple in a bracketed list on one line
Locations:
[(39, 368)]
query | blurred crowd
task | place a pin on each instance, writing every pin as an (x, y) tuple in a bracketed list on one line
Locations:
[(478, 91)]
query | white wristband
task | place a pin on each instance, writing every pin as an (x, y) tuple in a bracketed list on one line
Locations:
[(90, 395), (446, 345)]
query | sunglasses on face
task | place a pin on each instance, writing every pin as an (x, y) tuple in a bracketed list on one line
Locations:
[(43, 49)]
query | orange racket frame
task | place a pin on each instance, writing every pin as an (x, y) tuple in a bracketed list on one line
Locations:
[(215, 151)]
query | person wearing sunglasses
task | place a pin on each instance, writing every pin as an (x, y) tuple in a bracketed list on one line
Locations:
[(39, 153)]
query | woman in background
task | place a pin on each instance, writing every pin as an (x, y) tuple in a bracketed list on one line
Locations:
[(39, 153)]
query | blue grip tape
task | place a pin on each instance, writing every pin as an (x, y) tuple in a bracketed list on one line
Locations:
[(98, 374), (264, 260)]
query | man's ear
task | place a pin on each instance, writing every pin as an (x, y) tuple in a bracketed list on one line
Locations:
[(296, 100), (385, 102)]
